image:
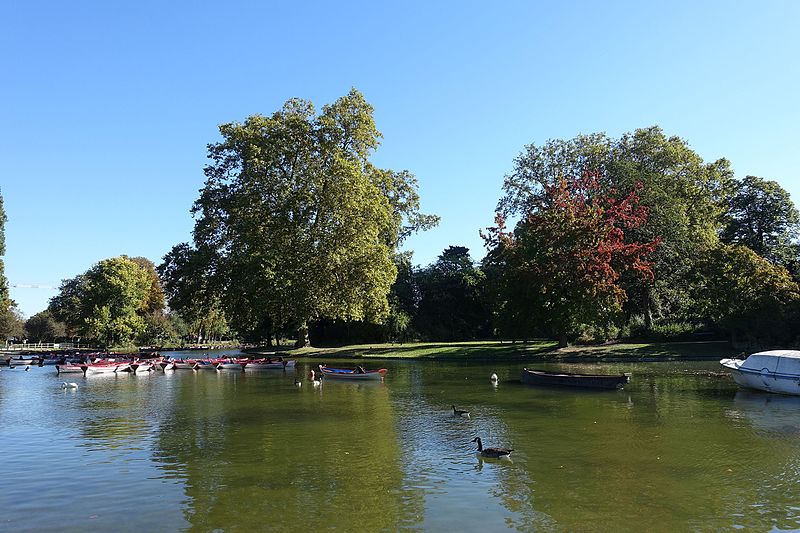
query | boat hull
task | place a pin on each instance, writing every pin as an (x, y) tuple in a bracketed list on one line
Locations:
[(70, 369), (101, 369), (230, 366), (141, 368), (565, 379), (763, 379), (352, 375), (276, 365), (23, 362)]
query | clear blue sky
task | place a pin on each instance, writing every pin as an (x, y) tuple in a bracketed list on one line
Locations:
[(106, 107)]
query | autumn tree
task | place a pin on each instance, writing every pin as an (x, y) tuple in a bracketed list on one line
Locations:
[(684, 195), (560, 267), (299, 224)]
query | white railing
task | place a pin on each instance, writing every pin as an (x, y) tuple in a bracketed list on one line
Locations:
[(45, 346)]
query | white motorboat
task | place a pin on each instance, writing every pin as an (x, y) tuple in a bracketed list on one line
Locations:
[(771, 371)]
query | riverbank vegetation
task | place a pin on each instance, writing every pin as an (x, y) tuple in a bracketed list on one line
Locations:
[(596, 239)]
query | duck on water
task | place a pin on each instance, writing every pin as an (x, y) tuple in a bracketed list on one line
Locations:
[(496, 453)]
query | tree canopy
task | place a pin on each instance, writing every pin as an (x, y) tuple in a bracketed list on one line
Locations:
[(43, 327), (561, 265), (294, 223), (762, 217), (452, 302), (685, 198), (108, 302)]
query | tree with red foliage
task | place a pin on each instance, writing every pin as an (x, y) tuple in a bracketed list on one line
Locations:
[(560, 267)]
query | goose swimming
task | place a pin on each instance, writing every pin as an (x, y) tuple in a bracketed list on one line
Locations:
[(497, 453), (459, 412)]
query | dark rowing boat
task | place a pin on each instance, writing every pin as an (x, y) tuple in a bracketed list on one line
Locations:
[(565, 379)]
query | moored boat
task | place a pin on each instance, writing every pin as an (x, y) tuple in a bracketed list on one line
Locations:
[(772, 371), (204, 364), (356, 374), (101, 368), (269, 364), (180, 364), (567, 379), (229, 364), (70, 369), (23, 361), (140, 367)]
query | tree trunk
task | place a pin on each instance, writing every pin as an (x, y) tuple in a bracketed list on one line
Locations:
[(648, 308), (562, 340), (302, 336)]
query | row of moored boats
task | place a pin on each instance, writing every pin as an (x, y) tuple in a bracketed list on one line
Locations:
[(115, 365)]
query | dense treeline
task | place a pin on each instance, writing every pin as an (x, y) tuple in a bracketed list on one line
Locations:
[(298, 235)]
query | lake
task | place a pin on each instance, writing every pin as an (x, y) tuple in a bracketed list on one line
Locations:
[(679, 449)]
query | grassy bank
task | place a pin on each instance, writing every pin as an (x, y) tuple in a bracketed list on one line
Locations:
[(534, 350)]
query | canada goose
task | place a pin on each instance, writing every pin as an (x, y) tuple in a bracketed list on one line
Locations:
[(459, 412), (297, 383), (71, 385), (493, 378), (496, 453)]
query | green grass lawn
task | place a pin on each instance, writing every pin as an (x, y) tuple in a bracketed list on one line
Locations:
[(542, 349)]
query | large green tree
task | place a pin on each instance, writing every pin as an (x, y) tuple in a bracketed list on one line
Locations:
[(746, 295), (299, 224), (763, 217), (108, 302), (12, 325), (685, 196), (190, 287), (452, 301), (154, 301), (43, 327)]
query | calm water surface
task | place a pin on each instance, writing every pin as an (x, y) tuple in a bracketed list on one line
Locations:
[(680, 449)]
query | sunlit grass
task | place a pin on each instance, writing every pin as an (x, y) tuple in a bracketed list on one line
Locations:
[(538, 349)]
